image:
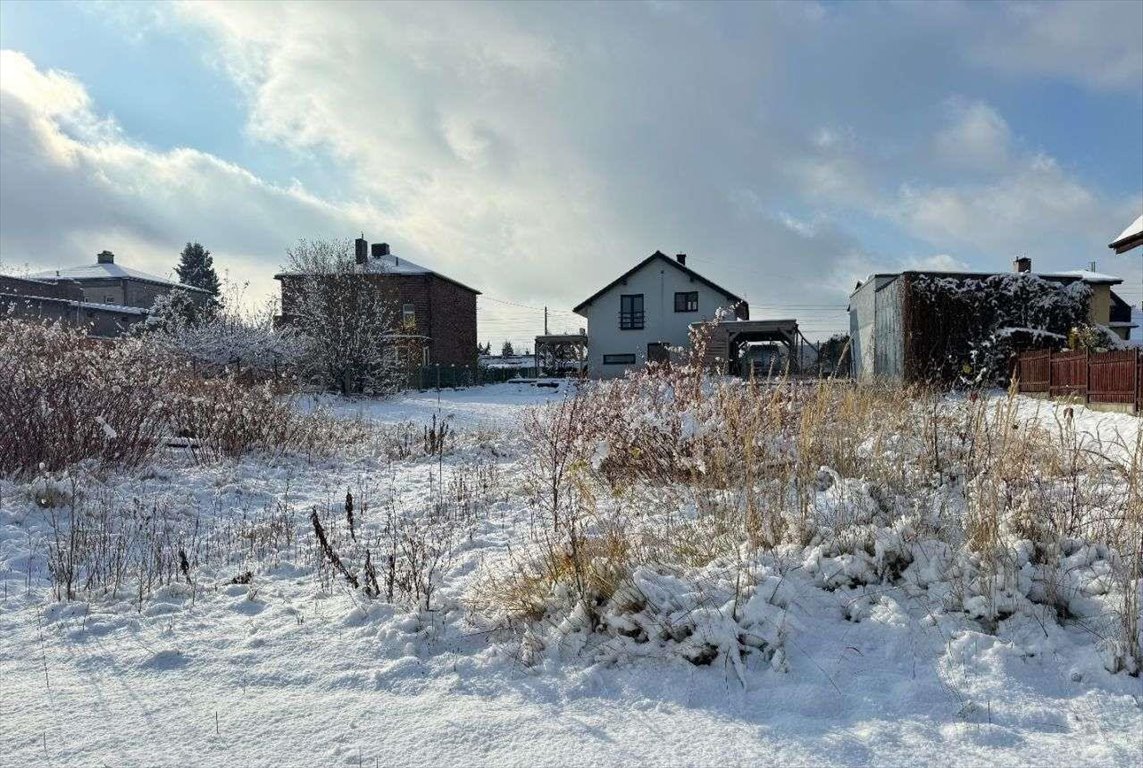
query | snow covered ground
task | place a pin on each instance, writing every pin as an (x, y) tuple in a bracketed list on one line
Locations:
[(285, 671), (1110, 431)]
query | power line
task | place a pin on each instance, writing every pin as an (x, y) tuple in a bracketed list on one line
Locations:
[(524, 306)]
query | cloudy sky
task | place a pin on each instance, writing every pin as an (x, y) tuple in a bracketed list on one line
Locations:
[(535, 151)]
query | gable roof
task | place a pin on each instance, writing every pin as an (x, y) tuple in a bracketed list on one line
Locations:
[(390, 265), (663, 257), (1129, 238), (107, 271)]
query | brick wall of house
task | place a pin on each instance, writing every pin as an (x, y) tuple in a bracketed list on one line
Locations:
[(99, 321), (452, 323), (414, 289), (443, 311), (19, 286)]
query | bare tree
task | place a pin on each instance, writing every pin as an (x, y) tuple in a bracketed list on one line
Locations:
[(348, 314)]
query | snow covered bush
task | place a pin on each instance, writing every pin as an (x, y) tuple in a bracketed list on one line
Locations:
[(65, 398), (1093, 338), (967, 328), (225, 416), (220, 338)]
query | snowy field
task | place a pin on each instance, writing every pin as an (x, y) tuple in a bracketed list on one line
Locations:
[(293, 669)]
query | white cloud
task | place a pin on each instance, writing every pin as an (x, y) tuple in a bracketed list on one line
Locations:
[(536, 150), (72, 186), (1094, 43), (977, 138), (1030, 206)]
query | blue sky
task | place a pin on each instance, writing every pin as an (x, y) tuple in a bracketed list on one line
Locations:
[(536, 150)]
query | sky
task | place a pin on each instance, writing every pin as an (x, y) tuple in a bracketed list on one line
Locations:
[(537, 150)]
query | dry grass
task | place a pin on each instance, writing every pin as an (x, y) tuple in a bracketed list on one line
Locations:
[(676, 469), (66, 398)]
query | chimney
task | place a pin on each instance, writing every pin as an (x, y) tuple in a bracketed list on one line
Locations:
[(105, 257), (1022, 264), (380, 249), (681, 258), (361, 249)]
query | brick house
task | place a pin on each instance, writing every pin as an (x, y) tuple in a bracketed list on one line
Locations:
[(437, 313), (41, 300), (106, 297), (106, 282)]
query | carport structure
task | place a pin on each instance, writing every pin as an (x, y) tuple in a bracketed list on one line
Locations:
[(727, 347)]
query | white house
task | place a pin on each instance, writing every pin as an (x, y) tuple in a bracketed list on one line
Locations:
[(648, 309)]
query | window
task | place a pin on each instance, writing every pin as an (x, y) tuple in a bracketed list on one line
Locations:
[(686, 301), (619, 359), (409, 316), (631, 311), (658, 352)]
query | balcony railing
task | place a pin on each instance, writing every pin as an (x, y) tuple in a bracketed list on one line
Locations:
[(631, 321)]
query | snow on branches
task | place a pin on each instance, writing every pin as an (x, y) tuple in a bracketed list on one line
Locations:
[(221, 337), (348, 318)]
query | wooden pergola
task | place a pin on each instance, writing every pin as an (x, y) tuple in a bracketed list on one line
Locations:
[(730, 338), (561, 354)]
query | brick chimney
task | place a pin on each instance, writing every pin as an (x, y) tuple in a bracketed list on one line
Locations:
[(1022, 264), (380, 249), (105, 257), (681, 258), (361, 249)]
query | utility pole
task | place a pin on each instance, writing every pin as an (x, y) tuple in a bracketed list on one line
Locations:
[(545, 320)]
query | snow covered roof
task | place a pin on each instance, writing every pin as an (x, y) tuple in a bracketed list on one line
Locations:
[(394, 265), (118, 309), (104, 271), (1135, 228), (1129, 238), (1087, 276)]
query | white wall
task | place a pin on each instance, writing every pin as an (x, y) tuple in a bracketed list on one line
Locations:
[(658, 283)]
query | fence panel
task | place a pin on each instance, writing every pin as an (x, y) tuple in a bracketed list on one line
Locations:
[(1103, 377), (1138, 382), (454, 376), (1068, 374), (1113, 377), (1032, 371)]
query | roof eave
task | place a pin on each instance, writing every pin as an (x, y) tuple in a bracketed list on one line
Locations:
[(1125, 244)]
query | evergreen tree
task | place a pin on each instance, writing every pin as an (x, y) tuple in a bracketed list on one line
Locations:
[(506, 350), (196, 268)]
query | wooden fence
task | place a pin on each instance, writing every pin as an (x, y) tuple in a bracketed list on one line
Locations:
[(1101, 377)]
